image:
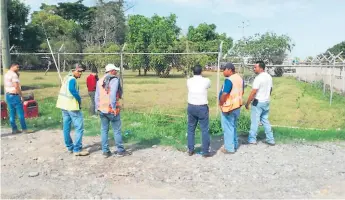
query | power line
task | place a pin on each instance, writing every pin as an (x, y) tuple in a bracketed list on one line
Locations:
[(244, 25)]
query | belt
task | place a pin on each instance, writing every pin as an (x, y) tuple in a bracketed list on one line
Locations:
[(12, 94), (197, 105)]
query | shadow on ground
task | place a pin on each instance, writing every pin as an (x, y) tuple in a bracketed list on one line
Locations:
[(136, 146)]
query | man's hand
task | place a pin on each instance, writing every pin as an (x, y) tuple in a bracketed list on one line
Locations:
[(22, 99), (247, 106)]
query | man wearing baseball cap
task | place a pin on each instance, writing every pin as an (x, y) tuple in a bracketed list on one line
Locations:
[(69, 101), (230, 102), (108, 94)]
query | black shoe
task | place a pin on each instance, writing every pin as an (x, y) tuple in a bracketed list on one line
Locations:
[(122, 153), (271, 144), (106, 154), (206, 155), (190, 153)]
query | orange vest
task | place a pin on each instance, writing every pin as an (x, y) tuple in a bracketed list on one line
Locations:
[(234, 99), (104, 104)]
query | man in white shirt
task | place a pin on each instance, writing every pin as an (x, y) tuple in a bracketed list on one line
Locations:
[(198, 110), (260, 99)]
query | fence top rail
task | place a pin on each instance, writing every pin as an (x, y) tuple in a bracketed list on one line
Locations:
[(117, 53), (297, 66)]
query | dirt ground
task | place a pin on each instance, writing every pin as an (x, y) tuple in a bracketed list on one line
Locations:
[(294, 170)]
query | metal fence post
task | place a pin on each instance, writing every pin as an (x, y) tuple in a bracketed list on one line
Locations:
[(59, 61), (332, 75), (343, 78), (218, 71)]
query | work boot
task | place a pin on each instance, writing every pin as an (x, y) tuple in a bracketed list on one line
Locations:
[(190, 153), (122, 153), (81, 153), (16, 131), (106, 154)]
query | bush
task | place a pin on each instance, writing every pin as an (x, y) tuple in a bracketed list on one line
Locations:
[(279, 71)]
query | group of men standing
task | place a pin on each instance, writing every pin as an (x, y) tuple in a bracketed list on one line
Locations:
[(230, 103), (105, 94)]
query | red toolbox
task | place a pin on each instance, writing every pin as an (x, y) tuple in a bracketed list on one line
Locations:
[(30, 109), (4, 114)]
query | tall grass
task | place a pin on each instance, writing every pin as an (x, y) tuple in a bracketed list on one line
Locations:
[(155, 128)]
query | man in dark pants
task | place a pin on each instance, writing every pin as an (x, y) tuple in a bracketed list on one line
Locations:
[(198, 110), (91, 82)]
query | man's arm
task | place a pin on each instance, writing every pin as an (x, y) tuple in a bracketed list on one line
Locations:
[(72, 89), (251, 97), (97, 97), (208, 83), (256, 85), (18, 89), (15, 81), (114, 85), (226, 91)]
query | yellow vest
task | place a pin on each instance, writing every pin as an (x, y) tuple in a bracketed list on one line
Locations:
[(234, 99), (66, 100)]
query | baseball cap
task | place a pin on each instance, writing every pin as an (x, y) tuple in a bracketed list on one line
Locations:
[(78, 67), (110, 67), (229, 65)]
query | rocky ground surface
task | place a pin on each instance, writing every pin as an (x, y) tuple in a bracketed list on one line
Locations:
[(37, 165)]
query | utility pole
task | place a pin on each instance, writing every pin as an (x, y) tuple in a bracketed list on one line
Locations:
[(5, 42), (243, 26)]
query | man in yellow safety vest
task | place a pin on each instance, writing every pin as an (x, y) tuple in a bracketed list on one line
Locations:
[(69, 101)]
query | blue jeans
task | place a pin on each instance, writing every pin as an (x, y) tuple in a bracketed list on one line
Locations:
[(15, 106), (116, 125), (260, 113), (229, 126), (77, 118), (198, 114)]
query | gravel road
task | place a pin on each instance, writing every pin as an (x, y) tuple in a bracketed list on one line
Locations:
[(38, 166)]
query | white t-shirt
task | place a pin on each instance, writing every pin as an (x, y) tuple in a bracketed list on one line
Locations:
[(263, 83), (197, 90), (10, 78)]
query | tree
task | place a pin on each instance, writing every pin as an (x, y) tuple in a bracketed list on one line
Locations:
[(138, 39), (108, 25), (336, 49), (100, 61), (17, 15), (60, 31), (269, 47), (206, 39), (75, 11), (164, 33)]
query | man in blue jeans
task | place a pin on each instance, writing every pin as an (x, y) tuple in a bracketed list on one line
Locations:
[(14, 98), (260, 99), (198, 110), (107, 96), (230, 102), (69, 101)]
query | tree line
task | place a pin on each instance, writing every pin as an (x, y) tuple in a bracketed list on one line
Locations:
[(104, 28)]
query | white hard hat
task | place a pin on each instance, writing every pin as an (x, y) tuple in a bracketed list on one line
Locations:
[(110, 67)]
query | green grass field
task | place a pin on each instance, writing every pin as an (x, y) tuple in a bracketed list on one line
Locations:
[(155, 109)]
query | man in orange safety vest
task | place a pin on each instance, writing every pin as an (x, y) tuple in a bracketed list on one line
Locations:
[(107, 96)]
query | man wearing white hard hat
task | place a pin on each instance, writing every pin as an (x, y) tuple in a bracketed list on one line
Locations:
[(108, 94)]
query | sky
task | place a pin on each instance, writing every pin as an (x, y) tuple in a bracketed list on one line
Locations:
[(313, 25)]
